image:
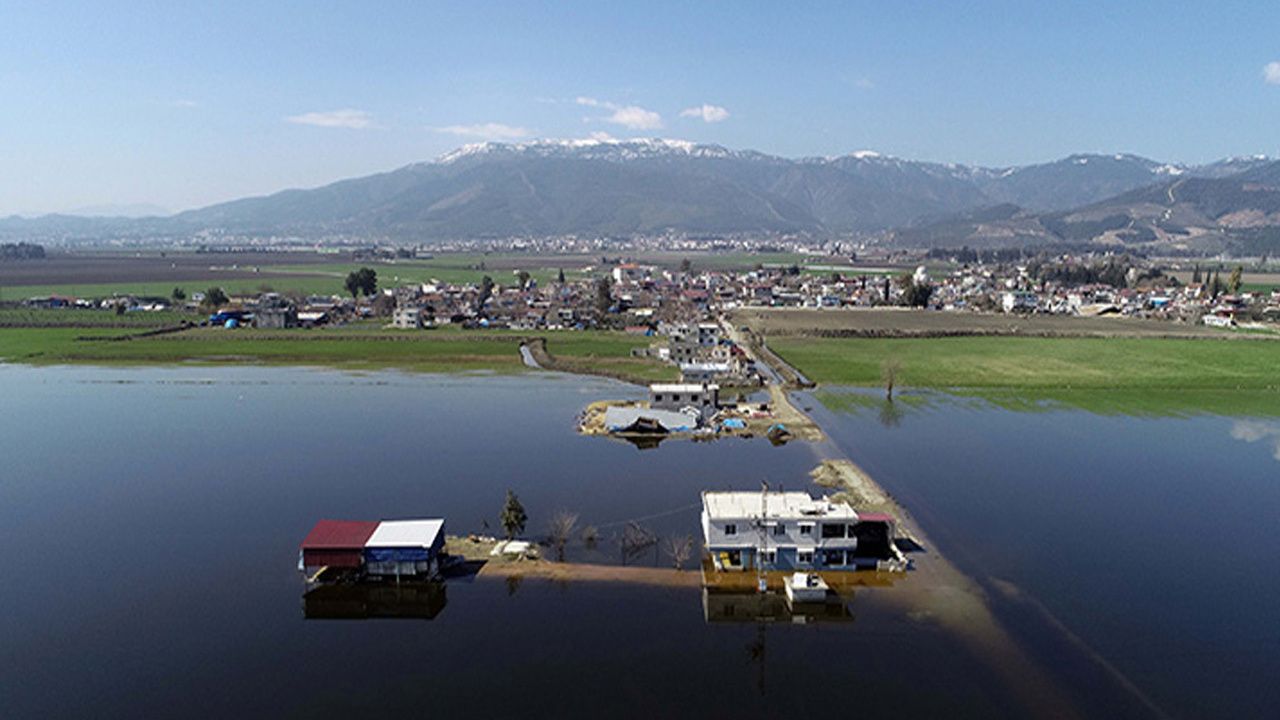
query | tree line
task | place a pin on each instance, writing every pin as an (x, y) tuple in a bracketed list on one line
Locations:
[(21, 251)]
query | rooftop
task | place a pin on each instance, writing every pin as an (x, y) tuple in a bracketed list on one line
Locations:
[(747, 504), (681, 387), (406, 533)]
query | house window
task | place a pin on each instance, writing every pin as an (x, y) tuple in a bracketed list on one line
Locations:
[(768, 557), (806, 528), (657, 398), (675, 398), (804, 557), (779, 529), (832, 557), (733, 558), (730, 529), (832, 530)]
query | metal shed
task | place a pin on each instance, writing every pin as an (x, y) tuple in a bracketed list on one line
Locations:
[(337, 543), (405, 547)]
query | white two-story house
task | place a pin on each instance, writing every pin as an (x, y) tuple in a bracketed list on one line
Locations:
[(791, 531)]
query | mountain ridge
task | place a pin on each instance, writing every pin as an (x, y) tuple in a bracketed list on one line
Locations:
[(613, 187)]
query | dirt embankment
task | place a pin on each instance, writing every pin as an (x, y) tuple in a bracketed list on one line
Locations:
[(855, 487), (538, 349)]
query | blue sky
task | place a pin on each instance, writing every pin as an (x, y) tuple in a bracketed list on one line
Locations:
[(186, 104)]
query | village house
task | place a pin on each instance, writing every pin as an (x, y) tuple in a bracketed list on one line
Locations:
[(791, 531), (408, 318), (675, 397)]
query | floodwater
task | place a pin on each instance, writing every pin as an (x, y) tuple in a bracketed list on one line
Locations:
[(1151, 544), (150, 521)]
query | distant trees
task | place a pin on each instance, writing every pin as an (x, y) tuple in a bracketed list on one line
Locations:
[(178, 295), (915, 294), (523, 278), (889, 371), (678, 548), (361, 282), (21, 251), (486, 292), (1233, 282), (513, 516), (559, 530), (214, 298), (604, 294)]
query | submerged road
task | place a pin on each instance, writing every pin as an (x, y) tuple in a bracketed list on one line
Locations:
[(935, 591)]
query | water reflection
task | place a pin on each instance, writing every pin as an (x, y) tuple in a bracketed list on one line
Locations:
[(366, 601), (1252, 431), (748, 606)]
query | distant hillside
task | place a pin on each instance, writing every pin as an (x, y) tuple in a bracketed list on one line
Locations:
[(1238, 213), (627, 187)]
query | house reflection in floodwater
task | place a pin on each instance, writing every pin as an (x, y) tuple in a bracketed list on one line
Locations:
[(366, 601), (721, 605)]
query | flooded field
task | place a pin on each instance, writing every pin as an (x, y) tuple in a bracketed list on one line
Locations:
[(152, 518)]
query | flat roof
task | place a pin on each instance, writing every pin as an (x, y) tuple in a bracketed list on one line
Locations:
[(681, 387), (406, 533), (339, 534), (786, 505)]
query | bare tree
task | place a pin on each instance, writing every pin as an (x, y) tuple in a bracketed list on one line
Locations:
[(590, 536), (560, 528), (678, 548), (889, 370)]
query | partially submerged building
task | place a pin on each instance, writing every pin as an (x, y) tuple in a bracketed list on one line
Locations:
[(791, 531), (680, 397), (359, 549)]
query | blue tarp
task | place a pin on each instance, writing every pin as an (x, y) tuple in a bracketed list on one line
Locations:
[(734, 423), (378, 555)]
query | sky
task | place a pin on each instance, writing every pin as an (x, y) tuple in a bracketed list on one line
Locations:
[(182, 105)]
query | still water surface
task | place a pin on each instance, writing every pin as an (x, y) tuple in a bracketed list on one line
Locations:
[(1155, 540), (150, 520)]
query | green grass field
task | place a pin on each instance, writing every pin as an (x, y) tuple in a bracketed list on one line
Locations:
[(359, 346), (1126, 376), (1044, 363)]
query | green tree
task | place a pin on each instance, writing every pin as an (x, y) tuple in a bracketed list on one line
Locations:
[(686, 266), (560, 277), (486, 292), (915, 294), (604, 294), (361, 282), (214, 298), (523, 277), (513, 516), (1233, 283), (179, 294), (1195, 274)]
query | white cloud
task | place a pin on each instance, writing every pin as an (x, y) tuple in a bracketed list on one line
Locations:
[(486, 131), (864, 83), (708, 113), (1271, 73), (1252, 431), (628, 116), (346, 118), (636, 118)]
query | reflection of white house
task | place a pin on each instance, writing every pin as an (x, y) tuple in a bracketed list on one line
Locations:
[(678, 396), (791, 531)]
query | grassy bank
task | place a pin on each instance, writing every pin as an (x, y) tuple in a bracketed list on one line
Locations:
[(363, 346)]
